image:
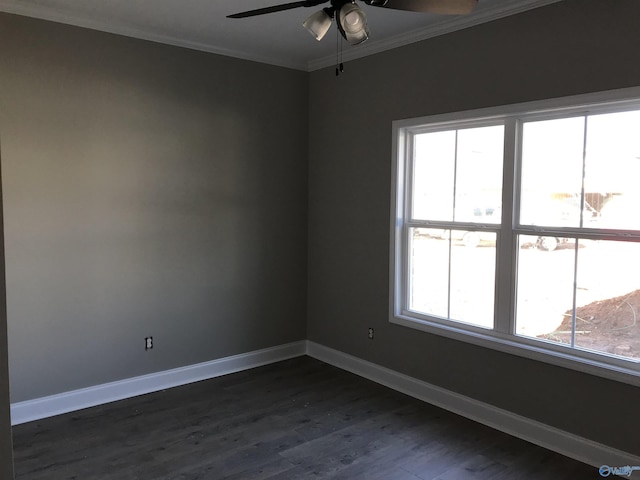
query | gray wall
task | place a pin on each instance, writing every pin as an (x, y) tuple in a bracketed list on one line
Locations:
[(148, 190), (571, 47)]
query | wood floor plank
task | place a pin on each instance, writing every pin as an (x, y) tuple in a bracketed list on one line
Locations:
[(298, 419)]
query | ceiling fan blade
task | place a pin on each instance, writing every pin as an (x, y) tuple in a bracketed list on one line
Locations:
[(443, 7), (277, 8)]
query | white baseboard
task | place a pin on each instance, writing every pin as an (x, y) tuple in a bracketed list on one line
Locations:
[(551, 438), (66, 402), (562, 442)]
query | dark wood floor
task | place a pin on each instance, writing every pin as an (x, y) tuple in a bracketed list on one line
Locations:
[(297, 419)]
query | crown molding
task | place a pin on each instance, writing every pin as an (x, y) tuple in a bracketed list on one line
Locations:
[(440, 28), (54, 15)]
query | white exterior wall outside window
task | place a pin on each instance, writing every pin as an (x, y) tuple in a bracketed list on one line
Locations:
[(518, 228)]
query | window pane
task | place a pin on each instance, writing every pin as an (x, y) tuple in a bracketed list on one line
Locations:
[(613, 169), (433, 175), (452, 274), (552, 165), (473, 278), (545, 285), (479, 175), (607, 294), (608, 299), (429, 272), (465, 165)]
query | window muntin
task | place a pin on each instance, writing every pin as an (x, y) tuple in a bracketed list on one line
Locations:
[(598, 147)]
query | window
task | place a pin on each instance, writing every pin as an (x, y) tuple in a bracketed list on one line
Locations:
[(456, 196), (518, 228)]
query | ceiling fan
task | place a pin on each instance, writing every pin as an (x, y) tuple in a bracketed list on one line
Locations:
[(352, 21)]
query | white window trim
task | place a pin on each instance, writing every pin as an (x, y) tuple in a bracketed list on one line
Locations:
[(580, 360)]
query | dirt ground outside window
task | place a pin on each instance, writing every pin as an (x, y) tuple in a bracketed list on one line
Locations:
[(608, 326)]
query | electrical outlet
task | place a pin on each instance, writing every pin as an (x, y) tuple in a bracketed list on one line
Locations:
[(148, 343), (370, 333)]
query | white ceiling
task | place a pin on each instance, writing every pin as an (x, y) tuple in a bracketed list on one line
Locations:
[(276, 38)]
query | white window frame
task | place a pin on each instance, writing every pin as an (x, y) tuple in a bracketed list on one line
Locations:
[(501, 337)]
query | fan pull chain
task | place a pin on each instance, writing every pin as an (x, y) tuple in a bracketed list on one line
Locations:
[(339, 65)]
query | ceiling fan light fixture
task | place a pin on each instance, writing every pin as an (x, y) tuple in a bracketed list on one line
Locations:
[(318, 24), (352, 23)]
